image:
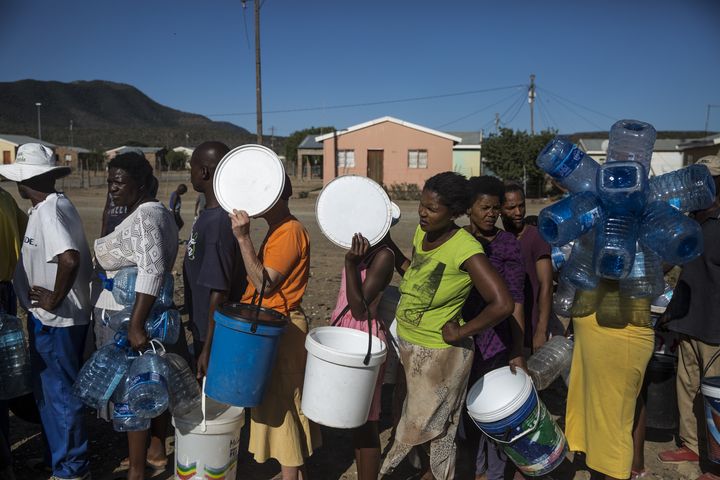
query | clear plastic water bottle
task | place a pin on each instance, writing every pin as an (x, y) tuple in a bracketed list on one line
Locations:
[(615, 310), (568, 165), (164, 325), (622, 187), (569, 218), (101, 374), (579, 269), (185, 394), (585, 303), (565, 374), (688, 189), (15, 373), (123, 418), (660, 303), (118, 320), (675, 237), (564, 298), (560, 255), (615, 245), (148, 393), (646, 277), (546, 364), (123, 288), (631, 140)]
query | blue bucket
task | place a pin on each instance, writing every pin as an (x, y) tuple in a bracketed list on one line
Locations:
[(506, 408), (243, 353)]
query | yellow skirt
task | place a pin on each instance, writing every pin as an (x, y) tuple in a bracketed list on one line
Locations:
[(278, 428), (607, 373)]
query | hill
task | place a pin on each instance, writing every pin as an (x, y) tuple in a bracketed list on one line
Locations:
[(105, 115)]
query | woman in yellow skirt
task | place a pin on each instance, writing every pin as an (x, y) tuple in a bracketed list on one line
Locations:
[(612, 350)]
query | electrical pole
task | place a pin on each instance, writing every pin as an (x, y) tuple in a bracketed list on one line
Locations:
[(497, 123), (272, 138), (38, 105), (258, 84), (531, 101)]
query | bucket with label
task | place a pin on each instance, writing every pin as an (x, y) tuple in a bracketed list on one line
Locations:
[(207, 441), (506, 408), (244, 349), (710, 389), (340, 375)]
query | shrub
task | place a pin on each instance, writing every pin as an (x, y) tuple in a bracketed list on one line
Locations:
[(404, 191)]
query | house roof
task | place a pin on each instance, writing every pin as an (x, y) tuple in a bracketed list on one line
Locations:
[(708, 141), (468, 138), (309, 143), (18, 140), (360, 126), (666, 144), (125, 148), (75, 149)]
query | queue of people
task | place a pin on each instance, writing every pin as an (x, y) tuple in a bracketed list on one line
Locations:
[(473, 299)]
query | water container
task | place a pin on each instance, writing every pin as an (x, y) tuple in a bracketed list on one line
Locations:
[(164, 325), (675, 237), (546, 364), (622, 187), (569, 218), (660, 303), (560, 255), (123, 418), (185, 395), (564, 298), (585, 302), (631, 140), (118, 320), (123, 288), (15, 373), (148, 377), (579, 268), (102, 373), (615, 245), (568, 165), (614, 310), (646, 277), (688, 189), (661, 404)]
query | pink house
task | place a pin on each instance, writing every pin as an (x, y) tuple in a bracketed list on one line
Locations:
[(388, 150)]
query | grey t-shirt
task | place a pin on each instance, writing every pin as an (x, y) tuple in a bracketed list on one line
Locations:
[(212, 262), (695, 305)]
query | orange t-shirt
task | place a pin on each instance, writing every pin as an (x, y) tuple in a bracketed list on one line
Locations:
[(286, 249)]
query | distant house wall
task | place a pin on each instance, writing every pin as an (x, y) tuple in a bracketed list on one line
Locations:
[(395, 141), (664, 162), (693, 154), (7, 152), (467, 162)]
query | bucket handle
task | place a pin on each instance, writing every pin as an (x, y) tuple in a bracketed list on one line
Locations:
[(254, 326), (519, 435), (203, 424), (152, 345)]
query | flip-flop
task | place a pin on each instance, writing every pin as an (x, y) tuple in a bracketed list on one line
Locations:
[(638, 474), (153, 464)]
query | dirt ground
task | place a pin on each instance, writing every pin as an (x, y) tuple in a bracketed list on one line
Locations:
[(335, 459)]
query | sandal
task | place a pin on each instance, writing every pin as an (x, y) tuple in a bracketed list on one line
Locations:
[(152, 464), (638, 474)]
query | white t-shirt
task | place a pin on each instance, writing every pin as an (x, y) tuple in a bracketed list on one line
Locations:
[(54, 227)]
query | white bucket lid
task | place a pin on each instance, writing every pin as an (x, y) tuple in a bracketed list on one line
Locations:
[(710, 387), (351, 204), (216, 413), (344, 346), (498, 394), (250, 178)]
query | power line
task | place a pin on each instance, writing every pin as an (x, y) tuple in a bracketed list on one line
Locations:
[(519, 101), (477, 111), (368, 104), (521, 104), (546, 113), (578, 105), (575, 112)]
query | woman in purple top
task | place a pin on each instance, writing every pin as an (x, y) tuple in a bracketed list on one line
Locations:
[(502, 344)]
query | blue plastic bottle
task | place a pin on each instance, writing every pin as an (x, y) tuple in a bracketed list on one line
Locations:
[(631, 140), (646, 277), (615, 245), (568, 165), (675, 237), (560, 255), (622, 187), (569, 218), (164, 325), (147, 389), (688, 189), (101, 374), (118, 320), (578, 270), (564, 298), (185, 395), (123, 288), (123, 418), (15, 374)]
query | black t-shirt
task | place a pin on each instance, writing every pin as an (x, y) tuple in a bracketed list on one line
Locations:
[(695, 304), (212, 262)]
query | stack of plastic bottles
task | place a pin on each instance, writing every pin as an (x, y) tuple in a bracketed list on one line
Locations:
[(15, 375), (163, 324), (624, 224), (550, 361)]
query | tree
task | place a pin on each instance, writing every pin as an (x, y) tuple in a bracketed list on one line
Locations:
[(508, 152), (176, 160)]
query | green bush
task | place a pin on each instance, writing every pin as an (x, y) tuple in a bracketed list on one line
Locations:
[(404, 191)]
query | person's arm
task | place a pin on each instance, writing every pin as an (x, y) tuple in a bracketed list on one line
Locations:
[(256, 272), (141, 311), (517, 333), (216, 298), (377, 278), (68, 264), (543, 268), (402, 263), (492, 288)]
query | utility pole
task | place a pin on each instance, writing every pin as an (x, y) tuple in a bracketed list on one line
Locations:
[(497, 123), (272, 138), (258, 84), (38, 105), (531, 101)]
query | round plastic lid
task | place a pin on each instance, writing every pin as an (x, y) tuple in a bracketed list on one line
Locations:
[(498, 394), (250, 178), (351, 204)]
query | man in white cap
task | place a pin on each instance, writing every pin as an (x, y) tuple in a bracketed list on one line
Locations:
[(52, 283), (694, 313)]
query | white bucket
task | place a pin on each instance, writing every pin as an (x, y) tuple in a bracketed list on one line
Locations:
[(338, 387), (207, 440)]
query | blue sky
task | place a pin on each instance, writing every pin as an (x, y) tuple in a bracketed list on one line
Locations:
[(654, 60)]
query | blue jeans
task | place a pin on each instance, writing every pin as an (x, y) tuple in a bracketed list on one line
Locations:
[(56, 354)]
